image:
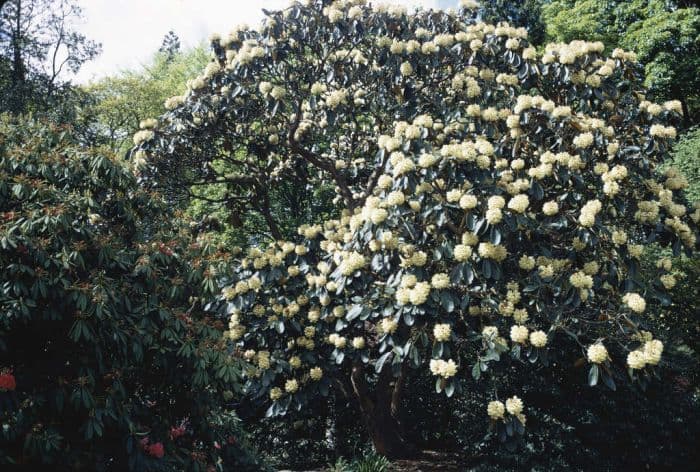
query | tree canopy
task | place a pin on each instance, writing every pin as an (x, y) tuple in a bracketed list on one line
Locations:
[(493, 203)]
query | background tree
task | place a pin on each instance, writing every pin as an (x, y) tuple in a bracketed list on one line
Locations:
[(170, 46), (686, 157), (505, 192), (665, 35), (38, 47), (526, 14), (119, 103)]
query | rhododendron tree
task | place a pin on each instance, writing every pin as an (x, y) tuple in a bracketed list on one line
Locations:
[(493, 204)]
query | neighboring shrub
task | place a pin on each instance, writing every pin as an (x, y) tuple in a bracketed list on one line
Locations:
[(107, 359)]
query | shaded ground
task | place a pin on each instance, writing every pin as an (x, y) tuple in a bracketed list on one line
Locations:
[(430, 461)]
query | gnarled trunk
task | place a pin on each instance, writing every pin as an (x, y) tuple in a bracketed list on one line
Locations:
[(379, 410)]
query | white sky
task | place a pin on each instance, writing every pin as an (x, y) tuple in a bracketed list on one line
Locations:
[(131, 31)]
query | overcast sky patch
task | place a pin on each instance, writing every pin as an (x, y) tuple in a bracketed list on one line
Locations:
[(131, 31)]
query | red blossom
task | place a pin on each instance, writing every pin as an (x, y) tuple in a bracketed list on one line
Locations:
[(165, 249), (7, 382), (176, 432), (156, 450)]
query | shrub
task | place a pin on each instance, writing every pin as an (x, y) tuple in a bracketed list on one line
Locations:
[(112, 361)]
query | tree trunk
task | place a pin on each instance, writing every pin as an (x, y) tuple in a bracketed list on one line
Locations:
[(18, 76), (376, 410), (687, 119)]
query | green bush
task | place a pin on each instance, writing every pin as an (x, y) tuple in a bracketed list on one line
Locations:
[(686, 157), (107, 360)]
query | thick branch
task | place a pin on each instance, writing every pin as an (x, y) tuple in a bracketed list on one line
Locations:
[(316, 160), (264, 208), (398, 389), (359, 386), (374, 178)]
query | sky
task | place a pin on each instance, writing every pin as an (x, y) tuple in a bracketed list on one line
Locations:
[(131, 31)]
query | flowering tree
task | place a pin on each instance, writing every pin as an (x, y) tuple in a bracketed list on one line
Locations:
[(494, 203)]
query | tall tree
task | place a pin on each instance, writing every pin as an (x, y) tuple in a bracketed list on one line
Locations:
[(170, 46), (38, 47)]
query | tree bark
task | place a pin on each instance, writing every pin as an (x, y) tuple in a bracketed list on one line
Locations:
[(18, 76), (376, 410)]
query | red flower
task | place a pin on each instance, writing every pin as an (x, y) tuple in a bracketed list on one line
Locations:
[(165, 249), (7, 382), (176, 432), (156, 450)]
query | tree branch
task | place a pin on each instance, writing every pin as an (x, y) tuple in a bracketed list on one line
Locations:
[(316, 160)]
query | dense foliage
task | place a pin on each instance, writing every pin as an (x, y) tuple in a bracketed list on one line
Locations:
[(496, 202), (686, 157), (107, 358), (353, 207), (664, 34)]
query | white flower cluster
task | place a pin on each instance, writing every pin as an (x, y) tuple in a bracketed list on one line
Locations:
[(649, 354), (291, 386), (389, 325), (581, 280), (496, 410), (442, 332), (597, 353), (496, 252), (519, 334), (550, 208), (514, 405), (519, 203), (316, 373), (442, 368), (660, 131), (336, 98), (569, 53), (589, 212), (538, 339), (413, 292), (406, 69), (583, 140), (462, 252), (526, 262), (352, 262), (440, 281), (143, 136), (635, 302)]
